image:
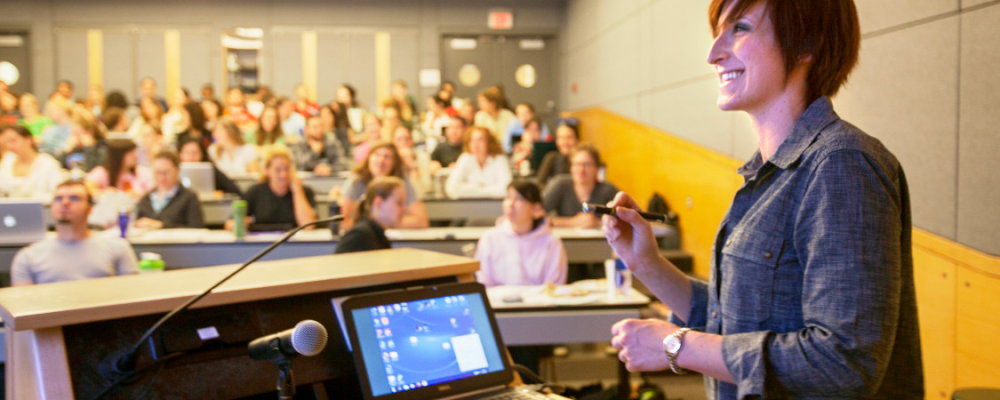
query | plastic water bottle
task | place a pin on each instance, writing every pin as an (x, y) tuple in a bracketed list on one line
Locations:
[(239, 218), (123, 220), (619, 279), (150, 262)]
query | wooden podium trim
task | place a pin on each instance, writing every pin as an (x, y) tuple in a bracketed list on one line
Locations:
[(68, 303)]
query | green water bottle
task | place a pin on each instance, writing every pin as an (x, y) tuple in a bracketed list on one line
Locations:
[(239, 218), (150, 262)]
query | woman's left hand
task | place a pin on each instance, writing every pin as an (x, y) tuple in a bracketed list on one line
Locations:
[(640, 343)]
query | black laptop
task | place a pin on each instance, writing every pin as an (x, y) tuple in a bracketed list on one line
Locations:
[(429, 343)]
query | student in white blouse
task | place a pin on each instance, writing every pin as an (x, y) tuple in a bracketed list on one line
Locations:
[(229, 153), (25, 171), (482, 170)]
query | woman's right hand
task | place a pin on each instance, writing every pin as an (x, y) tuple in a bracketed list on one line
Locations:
[(629, 234)]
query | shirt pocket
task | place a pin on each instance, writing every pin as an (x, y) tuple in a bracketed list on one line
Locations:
[(749, 260)]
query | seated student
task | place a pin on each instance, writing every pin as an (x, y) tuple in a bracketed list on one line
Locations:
[(521, 154), (492, 114), (169, 205), (383, 160), (230, 153), (372, 134), (192, 152), (85, 148), (22, 168), (557, 162), (381, 208), (525, 112), (31, 116), (192, 125), (564, 194), (319, 153), (75, 253), (331, 127), (121, 170), (415, 161), (482, 170), (292, 123), (281, 199), (268, 130), (150, 142), (53, 138), (446, 153), (521, 250), (436, 119), (150, 115)]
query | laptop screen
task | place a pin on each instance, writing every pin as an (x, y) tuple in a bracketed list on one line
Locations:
[(433, 340)]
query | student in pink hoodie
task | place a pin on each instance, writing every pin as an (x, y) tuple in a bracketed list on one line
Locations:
[(521, 250)]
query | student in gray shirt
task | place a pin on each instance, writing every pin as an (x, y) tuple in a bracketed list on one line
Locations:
[(564, 194), (76, 253)]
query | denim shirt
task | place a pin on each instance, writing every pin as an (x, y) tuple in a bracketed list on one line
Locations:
[(812, 272)]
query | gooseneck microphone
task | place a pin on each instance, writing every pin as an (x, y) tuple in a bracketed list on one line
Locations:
[(119, 368), (599, 210), (307, 338)]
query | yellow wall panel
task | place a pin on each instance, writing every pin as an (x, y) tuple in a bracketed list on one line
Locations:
[(935, 280), (95, 57), (978, 330)]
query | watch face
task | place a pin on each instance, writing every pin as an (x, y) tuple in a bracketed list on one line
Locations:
[(672, 344)]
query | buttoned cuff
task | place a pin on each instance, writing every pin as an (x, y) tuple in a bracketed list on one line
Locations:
[(745, 358), (698, 315)]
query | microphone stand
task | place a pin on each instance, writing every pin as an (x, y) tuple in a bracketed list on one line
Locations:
[(125, 365)]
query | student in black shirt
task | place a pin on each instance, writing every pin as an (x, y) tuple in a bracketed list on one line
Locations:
[(382, 206), (447, 152), (281, 201), (169, 205)]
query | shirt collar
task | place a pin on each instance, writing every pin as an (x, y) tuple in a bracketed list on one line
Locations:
[(170, 194), (817, 116)]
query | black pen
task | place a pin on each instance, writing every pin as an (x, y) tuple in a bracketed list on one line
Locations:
[(599, 210)]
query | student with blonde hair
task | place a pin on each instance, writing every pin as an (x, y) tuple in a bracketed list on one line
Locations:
[(280, 201)]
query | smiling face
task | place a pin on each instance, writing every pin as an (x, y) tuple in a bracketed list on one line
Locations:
[(748, 61), (479, 143), (380, 162), (565, 139)]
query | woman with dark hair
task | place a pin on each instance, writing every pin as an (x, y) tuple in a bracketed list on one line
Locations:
[(381, 208), (193, 125), (23, 169), (332, 127), (150, 114), (383, 160), (173, 122), (170, 204), (557, 162), (116, 99), (811, 291), (347, 108), (212, 110), (565, 193), (191, 151), (268, 129), (121, 170)]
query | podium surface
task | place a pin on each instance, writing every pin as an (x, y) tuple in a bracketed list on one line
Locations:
[(45, 322)]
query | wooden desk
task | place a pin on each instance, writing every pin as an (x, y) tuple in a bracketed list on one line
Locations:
[(217, 211), (319, 184), (43, 321)]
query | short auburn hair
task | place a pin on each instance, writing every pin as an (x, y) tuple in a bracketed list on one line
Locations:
[(827, 30), (493, 147)]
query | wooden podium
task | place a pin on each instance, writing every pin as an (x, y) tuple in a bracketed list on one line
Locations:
[(59, 335)]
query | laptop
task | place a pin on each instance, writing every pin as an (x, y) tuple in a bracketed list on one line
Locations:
[(199, 177), (21, 221), (429, 343)]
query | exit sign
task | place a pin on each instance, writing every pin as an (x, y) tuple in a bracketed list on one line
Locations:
[(501, 19)]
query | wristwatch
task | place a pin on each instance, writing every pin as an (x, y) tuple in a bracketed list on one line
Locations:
[(672, 346)]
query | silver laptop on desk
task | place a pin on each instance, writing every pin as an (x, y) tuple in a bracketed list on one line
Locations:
[(199, 177), (21, 221)]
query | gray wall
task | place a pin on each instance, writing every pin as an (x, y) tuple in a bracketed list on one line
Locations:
[(924, 86), (345, 29)]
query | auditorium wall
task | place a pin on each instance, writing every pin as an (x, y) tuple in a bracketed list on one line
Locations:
[(924, 87), (138, 36)]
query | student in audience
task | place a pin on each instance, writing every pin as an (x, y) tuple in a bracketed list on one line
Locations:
[(86, 147), (292, 123), (304, 105), (467, 111), (328, 117), (436, 119), (237, 111), (192, 125), (75, 253), (525, 146), (172, 123), (170, 204), (391, 118), (319, 153), (446, 153), (263, 98), (281, 199), (557, 162), (524, 112), (371, 134), (208, 93), (521, 250), (149, 142), (65, 89), (348, 109), (212, 110), (482, 170), (492, 115), (268, 129), (383, 160), (22, 168), (229, 153), (116, 122), (54, 137), (95, 99), (407, 106), (193, 152), (31, 117), (116, 98), (9, 112), (564, 194), (451, 104), (148, 87), (150, 114), (413, 168), (121, 170), (381, 208)]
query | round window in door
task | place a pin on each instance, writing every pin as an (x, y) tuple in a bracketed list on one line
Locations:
[(525, 76), (469, 75), (9, 73)]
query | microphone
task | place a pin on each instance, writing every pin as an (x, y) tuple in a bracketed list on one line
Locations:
[(119, 368), (307, 338), (599, 210)]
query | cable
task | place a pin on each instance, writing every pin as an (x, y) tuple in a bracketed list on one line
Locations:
[(157, 363)]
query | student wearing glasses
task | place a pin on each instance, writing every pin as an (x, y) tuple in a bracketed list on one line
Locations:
[(75, 253)]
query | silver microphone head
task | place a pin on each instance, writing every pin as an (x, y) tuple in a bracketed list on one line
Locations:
[(309, 338)]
